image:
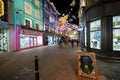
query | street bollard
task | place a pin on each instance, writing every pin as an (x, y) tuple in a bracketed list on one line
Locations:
[(36, 68)]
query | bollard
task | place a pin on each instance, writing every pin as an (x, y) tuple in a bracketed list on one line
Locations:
[(36, 68)]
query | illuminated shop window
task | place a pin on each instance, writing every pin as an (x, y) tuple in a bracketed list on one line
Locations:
[(95, 34), (116, 33), (3, 40), (24, 41)]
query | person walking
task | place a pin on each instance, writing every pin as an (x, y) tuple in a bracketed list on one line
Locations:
[(72, 43), (77, 43), (60, 43)]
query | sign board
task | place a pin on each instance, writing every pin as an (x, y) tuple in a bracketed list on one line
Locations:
[(86, 63), (1, 8)]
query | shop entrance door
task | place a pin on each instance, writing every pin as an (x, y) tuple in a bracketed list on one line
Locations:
[(33, 41)]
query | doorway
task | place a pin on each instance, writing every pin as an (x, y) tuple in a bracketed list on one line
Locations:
[(33, 41)]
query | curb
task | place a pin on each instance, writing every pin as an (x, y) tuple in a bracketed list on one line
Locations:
[(106, 58)]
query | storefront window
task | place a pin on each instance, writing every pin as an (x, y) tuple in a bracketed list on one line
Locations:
[(116, 33), (40, 40), (95, 34), (3, 40), (24, 42)]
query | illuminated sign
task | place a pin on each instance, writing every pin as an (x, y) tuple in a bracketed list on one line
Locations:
[(1, 8)]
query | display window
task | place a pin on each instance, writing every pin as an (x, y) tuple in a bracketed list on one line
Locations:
[(116, 33), (50, 40), (95, 34), (29, 38), (39, 40), (3, 41), (24, 42)]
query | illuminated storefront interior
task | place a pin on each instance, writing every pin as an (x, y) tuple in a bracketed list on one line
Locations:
[(29, 38), (116, 33), (3, 40), (95, 34)]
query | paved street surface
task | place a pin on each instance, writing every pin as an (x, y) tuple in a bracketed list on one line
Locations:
[(54, 63)]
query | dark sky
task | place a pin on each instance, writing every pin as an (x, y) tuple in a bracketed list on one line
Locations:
[(63, 7)]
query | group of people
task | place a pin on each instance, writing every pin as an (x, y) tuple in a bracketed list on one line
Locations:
[(73, 41), (65, 41)]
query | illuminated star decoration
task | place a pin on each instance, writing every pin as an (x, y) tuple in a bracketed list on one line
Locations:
[(63, 20)]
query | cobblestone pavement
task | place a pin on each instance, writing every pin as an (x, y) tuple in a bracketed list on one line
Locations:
[(54, 63)]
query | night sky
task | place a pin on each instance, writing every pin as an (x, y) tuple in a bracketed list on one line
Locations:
[(63, 7)]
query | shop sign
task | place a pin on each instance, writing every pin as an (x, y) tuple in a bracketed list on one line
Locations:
[(29, 32), (86, 62)]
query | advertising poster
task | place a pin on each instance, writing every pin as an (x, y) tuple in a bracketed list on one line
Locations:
[(86, 62), (116, 33)]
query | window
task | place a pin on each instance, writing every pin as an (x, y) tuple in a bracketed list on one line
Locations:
[(46, 5), (28, 9), (37, 14), (51, 11), (95, 34), (37, 3), (37, 26), (46, 16), (116, 33), (28, 23)]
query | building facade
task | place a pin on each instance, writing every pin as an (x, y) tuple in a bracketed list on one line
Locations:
[(28, 24), (6, 27), (102, 27), (50, 23)]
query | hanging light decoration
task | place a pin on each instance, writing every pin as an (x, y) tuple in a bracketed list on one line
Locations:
[(63, 20)]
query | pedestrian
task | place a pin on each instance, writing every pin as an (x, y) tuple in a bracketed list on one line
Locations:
[(77, 43), (72, 43), (60, 43)]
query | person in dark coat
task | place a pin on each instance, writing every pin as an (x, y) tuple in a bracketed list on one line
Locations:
[(72, 43), (77, 43), (60, 43)]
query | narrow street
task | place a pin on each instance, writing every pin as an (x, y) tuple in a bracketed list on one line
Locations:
[(54, 63)]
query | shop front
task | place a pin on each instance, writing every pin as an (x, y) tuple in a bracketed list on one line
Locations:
[(103, 28), (3, 40), (28, 38), (4, 37)]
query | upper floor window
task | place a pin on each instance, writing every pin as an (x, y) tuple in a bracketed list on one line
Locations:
[(37, 14), (37, 26), (28, 23), (37, 3), (46, 4), (51, 11), (46, 16), (28, 8)]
